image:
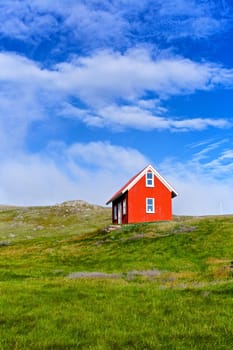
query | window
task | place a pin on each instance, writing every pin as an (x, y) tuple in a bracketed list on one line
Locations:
[(124, 207), (115, 212), (149, 179), (150, 205)]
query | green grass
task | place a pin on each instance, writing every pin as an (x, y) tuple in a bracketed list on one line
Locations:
[(187, 305), (91, 314)]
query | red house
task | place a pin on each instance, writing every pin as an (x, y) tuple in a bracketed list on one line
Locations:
[(144, 198)]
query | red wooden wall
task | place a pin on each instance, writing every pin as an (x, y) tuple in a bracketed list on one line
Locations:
[(136, 202)]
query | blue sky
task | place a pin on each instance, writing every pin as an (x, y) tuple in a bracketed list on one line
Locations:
[(93, 91)]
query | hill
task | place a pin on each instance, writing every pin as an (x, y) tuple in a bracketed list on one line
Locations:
[(68, 281)]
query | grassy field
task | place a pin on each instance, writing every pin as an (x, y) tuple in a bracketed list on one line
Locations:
[(68, 283)]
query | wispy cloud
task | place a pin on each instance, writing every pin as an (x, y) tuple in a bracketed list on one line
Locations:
[(136, 117), (204, 181), (204, 188), (192, 18), (210, 146), (222, 165), (97, 25), (214, 158)]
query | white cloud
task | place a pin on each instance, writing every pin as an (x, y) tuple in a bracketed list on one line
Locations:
[(90, 172), (19, 69), (59, 28), (101, 77), (198, 124), (201, 195), (100, 24), (96, 24), (27, 21), (142, 119), (19, 107), (205, 26), (92, 26), (31, 180), (199, 192), (104, 154), (28, 92), (193, 19)]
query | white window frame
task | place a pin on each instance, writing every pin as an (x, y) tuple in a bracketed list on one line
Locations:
[(148, 205), (149, 181), (124, 207)]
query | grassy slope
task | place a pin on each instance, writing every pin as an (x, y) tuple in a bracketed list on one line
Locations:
[(186, 304)]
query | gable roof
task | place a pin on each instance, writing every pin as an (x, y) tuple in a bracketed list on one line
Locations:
[(136, 178)]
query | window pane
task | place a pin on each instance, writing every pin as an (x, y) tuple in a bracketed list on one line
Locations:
[(149, 179), (150, 205), (115, 212), (124, 207)]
